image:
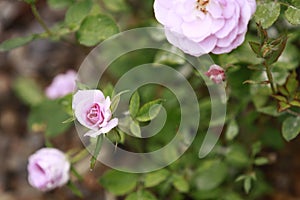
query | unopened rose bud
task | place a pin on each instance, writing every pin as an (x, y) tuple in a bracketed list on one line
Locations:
[(216, 74)]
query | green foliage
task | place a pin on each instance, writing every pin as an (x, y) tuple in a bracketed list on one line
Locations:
[(154, 178), (96, 28), (28, 91), (119, 183), (149, 111), (59, 4), (76, 13), (293, 15), (141, 195), (291, 128), (134, 104), (47, 116), (267, 13), (16, 42)]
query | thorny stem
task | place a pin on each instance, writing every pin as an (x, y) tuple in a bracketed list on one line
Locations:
[(39, 19), (270, 77)]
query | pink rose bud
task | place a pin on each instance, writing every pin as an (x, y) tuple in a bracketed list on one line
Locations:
[(198, 27), (62, 85), (216, 74), (48, 168), (92, 110)]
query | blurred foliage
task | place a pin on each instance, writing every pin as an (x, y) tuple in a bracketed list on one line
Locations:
[(262, 85)]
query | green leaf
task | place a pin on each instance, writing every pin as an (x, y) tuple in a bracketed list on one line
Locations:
[(48, 116), (115, 100), (237, 156), (149, 111), (255, 46), (141, 195), (154, 178), (135, 129), (267, 13), (292, 83), (247, 184), (28, 91), (119, 183), (180, 183), (59, 4), (96, 151), (134, 104), (282, 106), (291, 128), (292, 14), (77, 12), (261, 161), (232, 130), (295, 103), (16, 42), (74, 189), (277, 48), (94, 29), (116, 5), (210, 174), (279, 98)]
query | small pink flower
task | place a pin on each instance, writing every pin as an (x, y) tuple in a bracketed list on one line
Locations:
[(216, 74), (92, 110), (62, 85), (198, 27), (48, 168)]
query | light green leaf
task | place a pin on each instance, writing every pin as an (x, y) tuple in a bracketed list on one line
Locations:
[(149, 111), (180, 183), (267, 13), (261, 161), (94, 29), (232, 130), (77, 12), (74, 189), (118, 183), (291, 128), (154, 178), (135, 129), (141, 195), (134, 104), (16, 42), (292, 14), (247, 184)]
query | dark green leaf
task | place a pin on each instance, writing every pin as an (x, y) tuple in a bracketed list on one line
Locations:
[(119, 183), (255, 46), (282, 106), (16, 42), (276, 50), (292, 83), (94, 29)]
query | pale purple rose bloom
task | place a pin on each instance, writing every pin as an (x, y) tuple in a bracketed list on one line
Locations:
[(48, 168), (216, 74), (92, 110), (62, 85), (198, 27)]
